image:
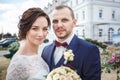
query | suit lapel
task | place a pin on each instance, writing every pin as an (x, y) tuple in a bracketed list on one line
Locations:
[(51, 57), (73, 46)]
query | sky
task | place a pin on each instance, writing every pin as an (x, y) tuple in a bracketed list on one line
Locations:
[(10, 10)]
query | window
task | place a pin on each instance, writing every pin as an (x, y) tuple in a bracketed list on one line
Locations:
[(76, 16), (119, 31), (71, 3), (110, 33), (113, 0), (113, 14), (100, 13), (83, 13), (83, 33), (76, 1), (100, 32)]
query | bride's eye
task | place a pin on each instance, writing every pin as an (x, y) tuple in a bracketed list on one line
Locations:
[(45, 29), (34, 28)]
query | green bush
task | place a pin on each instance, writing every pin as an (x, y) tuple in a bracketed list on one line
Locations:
[(12, 48), (100, 44)]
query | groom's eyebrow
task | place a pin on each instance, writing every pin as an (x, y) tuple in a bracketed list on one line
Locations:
[(62, 20)]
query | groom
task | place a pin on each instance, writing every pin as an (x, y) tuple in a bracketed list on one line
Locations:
[(86, 55)]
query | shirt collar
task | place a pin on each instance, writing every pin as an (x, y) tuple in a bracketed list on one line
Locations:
[(68, 40)]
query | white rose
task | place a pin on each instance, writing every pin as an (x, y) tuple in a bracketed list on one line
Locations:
[(56, 77), (68, 55), (70, 51)]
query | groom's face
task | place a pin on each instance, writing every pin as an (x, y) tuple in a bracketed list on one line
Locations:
[(63, 23)]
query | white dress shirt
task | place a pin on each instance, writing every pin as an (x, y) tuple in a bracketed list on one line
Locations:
[(59, 51)]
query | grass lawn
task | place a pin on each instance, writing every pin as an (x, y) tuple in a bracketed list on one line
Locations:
[(3, 67), (3, 49)]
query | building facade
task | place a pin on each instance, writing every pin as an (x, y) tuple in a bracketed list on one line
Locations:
[(97, 19)]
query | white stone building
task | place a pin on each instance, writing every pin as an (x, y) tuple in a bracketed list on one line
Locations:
[(97, 19)]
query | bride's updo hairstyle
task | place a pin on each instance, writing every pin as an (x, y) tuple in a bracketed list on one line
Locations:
[(28, 18)]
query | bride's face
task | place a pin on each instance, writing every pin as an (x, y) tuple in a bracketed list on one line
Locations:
[(38, 31)]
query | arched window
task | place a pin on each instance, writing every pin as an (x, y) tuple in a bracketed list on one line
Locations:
[(110, 33), (119, 31)]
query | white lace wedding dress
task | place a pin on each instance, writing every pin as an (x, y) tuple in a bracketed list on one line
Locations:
[(27, 68)]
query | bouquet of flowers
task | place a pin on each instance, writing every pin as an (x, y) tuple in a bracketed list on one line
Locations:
[(112, 62), (63, 73)]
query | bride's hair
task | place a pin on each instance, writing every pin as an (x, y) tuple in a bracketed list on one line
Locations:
[(28, 18)]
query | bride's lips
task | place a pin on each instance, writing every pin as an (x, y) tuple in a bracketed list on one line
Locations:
[(39, 39)]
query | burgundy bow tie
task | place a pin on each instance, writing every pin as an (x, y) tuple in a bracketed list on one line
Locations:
[(58, 44)]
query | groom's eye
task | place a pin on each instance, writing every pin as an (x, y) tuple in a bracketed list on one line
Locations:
[(55, 21), (64, 20)]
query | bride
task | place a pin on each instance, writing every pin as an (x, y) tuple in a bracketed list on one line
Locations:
[(26, 64)]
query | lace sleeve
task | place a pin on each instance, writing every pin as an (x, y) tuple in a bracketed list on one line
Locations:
[(27, 68), (16, 70)]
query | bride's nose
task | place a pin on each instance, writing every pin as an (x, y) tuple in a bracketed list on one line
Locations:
[(40, 32)]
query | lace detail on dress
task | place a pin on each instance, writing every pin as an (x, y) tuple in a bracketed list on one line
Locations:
[(26, 68)]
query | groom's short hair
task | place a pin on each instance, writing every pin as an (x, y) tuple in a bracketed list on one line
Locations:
[(64, 6)]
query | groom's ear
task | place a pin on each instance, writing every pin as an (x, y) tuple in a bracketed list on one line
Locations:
[(74, 22)]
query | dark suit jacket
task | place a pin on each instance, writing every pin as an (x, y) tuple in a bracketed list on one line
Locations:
[(86, 60)]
